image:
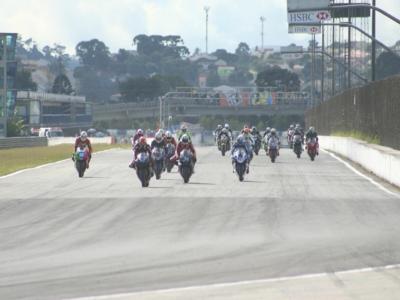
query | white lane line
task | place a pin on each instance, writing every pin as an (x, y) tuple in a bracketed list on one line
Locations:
[(238, 283), (45, 165), (377, 184)]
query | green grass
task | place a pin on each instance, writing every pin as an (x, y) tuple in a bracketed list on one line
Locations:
[(12, 160), (359, 136)]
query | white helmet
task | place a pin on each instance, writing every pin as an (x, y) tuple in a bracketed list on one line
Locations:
[(83, 135), (227, 126), (168, 134), (158, 136)]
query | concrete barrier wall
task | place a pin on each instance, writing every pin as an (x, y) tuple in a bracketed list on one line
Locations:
[(20, 142), (373, 110), (382, 161), (71, 140)]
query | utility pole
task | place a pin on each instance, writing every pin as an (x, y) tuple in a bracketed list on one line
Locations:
[(323, 65), (4, 96), (206, 9), (373, 51), (349, 52), (262, 19)]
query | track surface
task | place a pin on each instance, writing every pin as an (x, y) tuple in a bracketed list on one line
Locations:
[(65, 237)]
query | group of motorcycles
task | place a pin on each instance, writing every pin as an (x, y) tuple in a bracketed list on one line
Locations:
[(296, 141), (161, 162), (240, 157)]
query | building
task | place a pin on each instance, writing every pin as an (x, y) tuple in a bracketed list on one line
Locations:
[(53, 110)]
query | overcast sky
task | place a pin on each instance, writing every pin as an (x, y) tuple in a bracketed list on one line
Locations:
[(116, 22)]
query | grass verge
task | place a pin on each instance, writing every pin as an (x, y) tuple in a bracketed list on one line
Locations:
[(12, 160), (359, 136)]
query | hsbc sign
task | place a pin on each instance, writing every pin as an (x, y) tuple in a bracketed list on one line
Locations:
[(307, 17), (311, 29)]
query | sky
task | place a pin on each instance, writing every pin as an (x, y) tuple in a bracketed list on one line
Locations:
[(116, 22)]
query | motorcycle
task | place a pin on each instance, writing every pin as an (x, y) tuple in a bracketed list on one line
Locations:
[(159, 157), (224, 144), (297, 145), (273, 149), (312, 148), (240, 161), (142, 164), (170, 151), (290, 138), (81, 157), (186, 165), (257, 144)]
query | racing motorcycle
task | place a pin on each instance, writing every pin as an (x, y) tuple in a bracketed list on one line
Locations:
[(257, 144), (273, 148), (81, 158), (224, 144), (297, 145), (169, 153), (143, 171), (185, 165), (159, 158), (312, 148), (240, 161)]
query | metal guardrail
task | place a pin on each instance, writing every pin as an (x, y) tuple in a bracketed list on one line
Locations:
[(20, 142)]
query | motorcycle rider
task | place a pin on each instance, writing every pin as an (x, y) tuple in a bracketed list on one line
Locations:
[(158, 141), (169, 139), (256, 133), (83, 141), (224, 131), (267, 132), (217, 131), (185, 143), (311, 133), (184, 131), (241, 143), (227, 127), (248, 139), (297, 132), (142, 147), (137, 136), (274, 137)]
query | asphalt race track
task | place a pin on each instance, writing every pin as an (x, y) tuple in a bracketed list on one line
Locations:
[(64, 237)]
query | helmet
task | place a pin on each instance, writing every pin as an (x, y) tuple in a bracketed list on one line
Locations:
[(246, 130), (268, 129), (312, 129), (83, 135), (183, 127), (142, 140), (273, 131), (219, 126), (139, 131), (158, 136), (226, 126), (185, 139), (254, 128), (297, 125), (161, 131), (291, 126), (168, 134)]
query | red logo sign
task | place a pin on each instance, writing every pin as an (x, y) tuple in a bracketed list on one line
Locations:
[(323, 15)]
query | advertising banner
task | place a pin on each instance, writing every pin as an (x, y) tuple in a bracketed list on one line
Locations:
[(296, 5)]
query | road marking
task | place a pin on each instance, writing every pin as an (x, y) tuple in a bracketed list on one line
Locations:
[(238, 283), (378, 185), (45, 165)]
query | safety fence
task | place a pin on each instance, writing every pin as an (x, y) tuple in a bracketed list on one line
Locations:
[(372, 110)]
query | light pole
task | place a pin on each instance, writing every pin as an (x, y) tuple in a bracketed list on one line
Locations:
[(262, 19), (206, 9), (5, 114)]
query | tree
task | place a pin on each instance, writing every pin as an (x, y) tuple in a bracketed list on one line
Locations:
[(243, 50), (170, 45), (213, 79), (279, 78), (24, 81), (240, 78), (230, 58), (387, 65), (15, 126), (94, 53), (62, 85)]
